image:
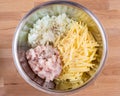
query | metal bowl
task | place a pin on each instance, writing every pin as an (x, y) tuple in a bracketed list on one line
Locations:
[(74, 11)]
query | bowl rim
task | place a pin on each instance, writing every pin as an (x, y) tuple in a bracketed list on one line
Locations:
[(15, 38)]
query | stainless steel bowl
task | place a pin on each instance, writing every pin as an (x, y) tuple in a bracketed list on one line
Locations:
[(74, 11)]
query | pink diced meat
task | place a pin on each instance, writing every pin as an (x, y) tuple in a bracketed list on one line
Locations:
[(45, 62)]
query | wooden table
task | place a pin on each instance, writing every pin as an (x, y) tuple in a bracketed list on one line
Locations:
[(108, 82)]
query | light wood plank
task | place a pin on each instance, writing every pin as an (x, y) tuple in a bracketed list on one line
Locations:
[(15, 5)]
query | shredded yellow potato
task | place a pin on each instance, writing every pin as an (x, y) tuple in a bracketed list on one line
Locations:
[(78, 51)]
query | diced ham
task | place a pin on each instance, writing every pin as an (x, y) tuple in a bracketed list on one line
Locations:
[(45, 62)]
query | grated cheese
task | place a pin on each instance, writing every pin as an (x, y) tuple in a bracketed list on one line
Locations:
[(78, 51)]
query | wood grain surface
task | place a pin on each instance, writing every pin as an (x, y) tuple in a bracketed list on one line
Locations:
[(108, 82)]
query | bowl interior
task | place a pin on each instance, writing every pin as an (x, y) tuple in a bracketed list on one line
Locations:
[(73, 12)]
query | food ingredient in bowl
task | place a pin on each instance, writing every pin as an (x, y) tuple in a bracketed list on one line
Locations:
[(78, 50), (48, 29), (63, 51), (44, 61)]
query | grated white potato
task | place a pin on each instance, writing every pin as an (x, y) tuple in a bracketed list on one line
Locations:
[(48, 29)]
